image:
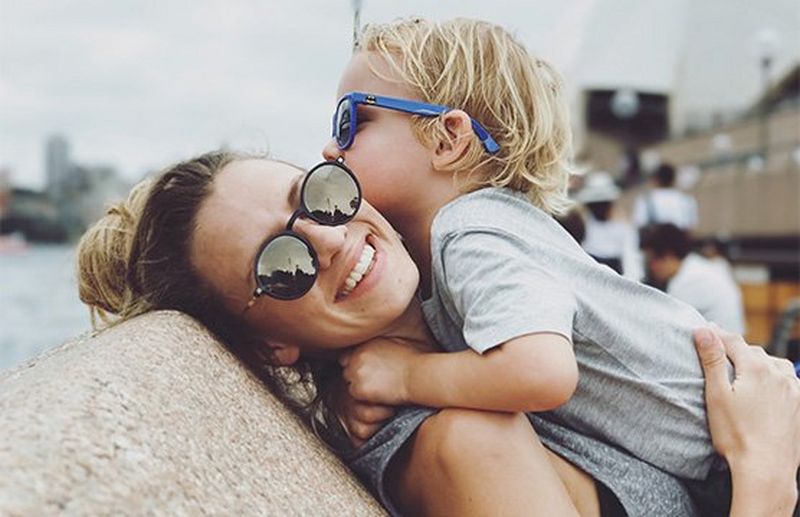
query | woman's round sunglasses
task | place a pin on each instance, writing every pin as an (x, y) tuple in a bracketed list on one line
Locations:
[(286, 265)]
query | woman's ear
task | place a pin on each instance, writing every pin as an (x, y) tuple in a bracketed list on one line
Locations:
[(282, 354), (456, 139)]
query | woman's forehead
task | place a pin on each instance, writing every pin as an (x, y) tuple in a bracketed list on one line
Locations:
[(250, 199), (244, 181)]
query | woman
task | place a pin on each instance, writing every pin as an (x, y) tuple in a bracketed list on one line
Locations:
[(191, 241)]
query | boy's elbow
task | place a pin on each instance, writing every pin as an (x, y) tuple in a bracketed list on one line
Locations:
[(564, 386), (552, 389), (546, 380)]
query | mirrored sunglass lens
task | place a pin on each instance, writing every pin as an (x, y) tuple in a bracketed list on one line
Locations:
[(331, 195), (343, 123), (286, 267)]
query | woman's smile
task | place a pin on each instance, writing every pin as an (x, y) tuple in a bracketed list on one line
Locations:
[(351, 299)]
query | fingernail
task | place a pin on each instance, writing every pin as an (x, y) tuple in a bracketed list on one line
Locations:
[(705, 338)]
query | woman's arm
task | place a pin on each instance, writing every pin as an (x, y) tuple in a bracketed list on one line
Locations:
[(535, 372), (754, 422)]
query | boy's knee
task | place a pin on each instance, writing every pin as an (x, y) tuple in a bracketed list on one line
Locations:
[(460, 435)]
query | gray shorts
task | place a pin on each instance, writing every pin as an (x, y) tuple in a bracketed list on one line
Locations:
[(642, 489)]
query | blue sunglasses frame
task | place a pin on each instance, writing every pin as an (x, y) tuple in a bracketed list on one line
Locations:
[(422, 109)]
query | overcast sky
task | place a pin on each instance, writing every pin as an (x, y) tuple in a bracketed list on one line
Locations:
[(140, 84)]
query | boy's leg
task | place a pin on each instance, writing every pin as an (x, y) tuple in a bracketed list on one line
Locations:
[(583, 490), (463, 462)]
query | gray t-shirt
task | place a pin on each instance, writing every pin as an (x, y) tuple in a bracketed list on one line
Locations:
[(502, 268)]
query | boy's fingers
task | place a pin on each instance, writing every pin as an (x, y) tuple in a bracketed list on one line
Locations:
[(373, 413), (361, 431), (712, 358)]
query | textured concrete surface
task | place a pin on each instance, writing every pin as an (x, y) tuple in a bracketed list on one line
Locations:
[(155, 417)]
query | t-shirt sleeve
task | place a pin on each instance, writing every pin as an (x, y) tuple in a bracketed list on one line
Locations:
[(501, 291)]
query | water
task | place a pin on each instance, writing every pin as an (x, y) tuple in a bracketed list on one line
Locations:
[(39, 305)]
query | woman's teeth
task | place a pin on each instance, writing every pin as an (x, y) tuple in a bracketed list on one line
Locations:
[(358, 272)]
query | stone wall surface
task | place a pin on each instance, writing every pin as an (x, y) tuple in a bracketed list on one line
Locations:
[(155, 417)]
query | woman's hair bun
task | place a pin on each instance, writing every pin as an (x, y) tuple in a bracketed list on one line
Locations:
[(103, 253)]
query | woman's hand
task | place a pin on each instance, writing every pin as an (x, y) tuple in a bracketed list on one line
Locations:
[(377, 370), (754, 421)]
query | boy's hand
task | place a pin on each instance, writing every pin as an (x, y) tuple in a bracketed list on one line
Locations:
[(377, 370), (360, 419)]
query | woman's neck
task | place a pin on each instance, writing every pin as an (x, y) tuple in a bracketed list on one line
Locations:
[(416, 232), (410, 326)]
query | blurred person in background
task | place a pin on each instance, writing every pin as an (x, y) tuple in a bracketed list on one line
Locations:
[(664, 203), (609, 238), (714, 249), (573, 222), (691, 277)]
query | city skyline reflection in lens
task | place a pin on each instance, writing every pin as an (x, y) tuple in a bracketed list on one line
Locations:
[(331, 195), (286, 267)]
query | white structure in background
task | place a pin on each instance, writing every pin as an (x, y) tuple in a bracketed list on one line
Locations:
[(692, 64)]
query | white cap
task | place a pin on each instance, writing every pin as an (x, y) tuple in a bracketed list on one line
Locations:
[(598, 187)]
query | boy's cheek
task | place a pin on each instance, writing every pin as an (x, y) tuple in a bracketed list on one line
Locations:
[(381, 197)]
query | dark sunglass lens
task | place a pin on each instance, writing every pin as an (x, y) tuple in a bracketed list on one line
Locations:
[(331, 195), (343, 123), (286, 268)]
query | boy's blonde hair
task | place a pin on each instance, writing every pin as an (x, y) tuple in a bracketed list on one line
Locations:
[(480, 68)]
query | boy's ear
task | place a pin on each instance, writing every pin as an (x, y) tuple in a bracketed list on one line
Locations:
[(457, 136), (282, 354)]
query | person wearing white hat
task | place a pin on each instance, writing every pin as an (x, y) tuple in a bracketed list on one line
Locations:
[(609, 239)]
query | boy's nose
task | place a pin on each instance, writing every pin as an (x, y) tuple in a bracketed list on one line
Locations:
[(331, 151), (326, 240)]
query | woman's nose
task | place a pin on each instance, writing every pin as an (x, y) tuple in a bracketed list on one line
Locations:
[(331, 151), (326, 240)]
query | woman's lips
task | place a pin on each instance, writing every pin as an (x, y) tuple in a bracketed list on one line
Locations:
[(372, 275)]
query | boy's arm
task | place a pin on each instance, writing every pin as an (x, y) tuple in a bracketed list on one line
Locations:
[(505, 290), (535, 372)]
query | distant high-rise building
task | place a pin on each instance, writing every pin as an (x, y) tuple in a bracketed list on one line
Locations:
[(5, 192), (58, 165)]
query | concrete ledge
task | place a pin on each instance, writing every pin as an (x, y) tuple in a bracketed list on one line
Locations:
[(154, 416)]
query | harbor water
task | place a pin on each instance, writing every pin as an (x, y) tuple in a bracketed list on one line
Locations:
[(39, 305)]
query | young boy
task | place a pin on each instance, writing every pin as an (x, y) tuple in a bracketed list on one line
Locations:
[(462, 140)]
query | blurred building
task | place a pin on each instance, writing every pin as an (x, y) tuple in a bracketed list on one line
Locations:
[(75, 196), (5, 193), (97, 185), (745, 175), (714, 88), (651, 70), (57, 165)]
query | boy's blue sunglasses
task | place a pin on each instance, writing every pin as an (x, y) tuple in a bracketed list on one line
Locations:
[(345, 119)]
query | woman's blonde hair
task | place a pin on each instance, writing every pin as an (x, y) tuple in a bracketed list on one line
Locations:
[(137, 258), (480, 68)]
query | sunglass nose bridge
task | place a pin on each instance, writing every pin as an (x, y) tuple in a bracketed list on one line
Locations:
[(295, 215)]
